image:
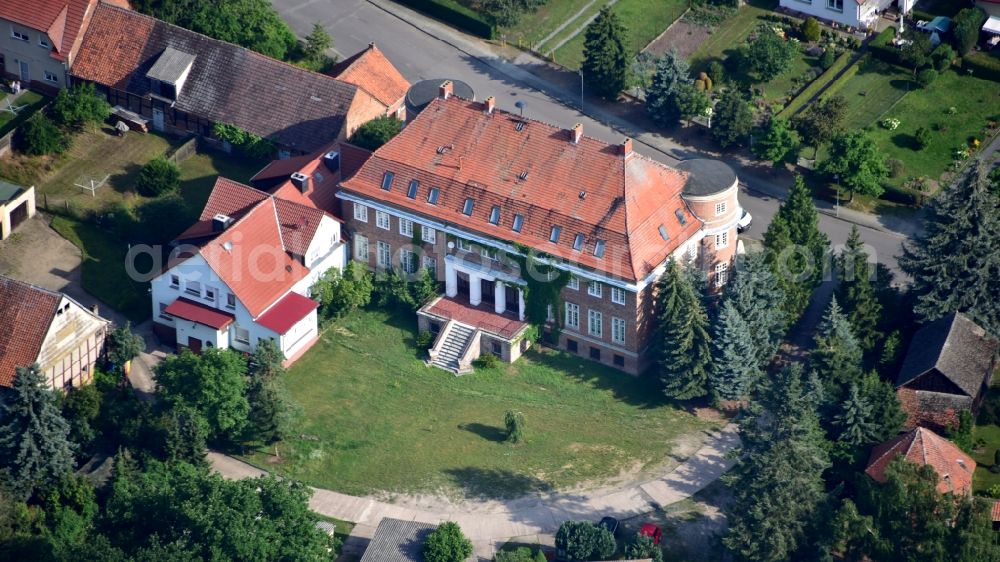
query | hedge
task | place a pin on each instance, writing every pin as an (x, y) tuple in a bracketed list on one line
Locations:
[(881, 46), (982, 65), (844, 78), (454, 14), (815, 86)]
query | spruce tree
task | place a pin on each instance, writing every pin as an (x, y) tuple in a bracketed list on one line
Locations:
[(685, 354), (854, 420), (35, 449), (837, 355), (857, 293), (734, 366), (672, 72), (758, 299), (887, 413), (267, 409), (605, 55), (954, 263)]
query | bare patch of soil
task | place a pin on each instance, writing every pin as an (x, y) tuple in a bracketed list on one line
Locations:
[(682, 36)]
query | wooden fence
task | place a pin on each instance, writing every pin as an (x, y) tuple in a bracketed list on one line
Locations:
[(6, 142), (184, 151)]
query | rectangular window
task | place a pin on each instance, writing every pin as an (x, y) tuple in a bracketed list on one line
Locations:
[(495, 215), (571, 345), (578, 242), (518, 223), (617, 330), (360, 212), (572, 316), (406, 227), (720, 208), (721, 274), (595, 323), (617, 295), (599, 248), (44, 42), (408, 261), (554, 235), (464, 245), (384, 257), (361, 248), (49, 77), (721, 240), (573, 283), (467, 207), (489, 253), (163, 312), (175, 281), (595, 353), (17, 34), (431, 265), (382, 220), (193, 288), (230, 300), (428, 234), (619, 360), (432, 196), (835, 5), (595, 289), (210, 293), (411, 191), (387, 181), (242, 335)]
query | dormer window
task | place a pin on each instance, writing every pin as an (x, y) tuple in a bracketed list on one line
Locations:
[(432, 197), (495, 215), (467, 207), (411, 191), (387, 181), (167, 76), (518, 223), (554, 235), (578, 242), (599, 249)]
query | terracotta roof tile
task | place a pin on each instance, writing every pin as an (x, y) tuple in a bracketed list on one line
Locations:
[(61, 20), (587, 187), (936, 410), (287, 312), (196, 312), (298, 224), (924, 447), (25, 314), (371, 71)]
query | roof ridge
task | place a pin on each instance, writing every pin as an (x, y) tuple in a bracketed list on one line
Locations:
[(277, 223)]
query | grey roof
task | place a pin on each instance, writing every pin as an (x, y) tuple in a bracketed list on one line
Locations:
[(171, 65), (707, 177), (956, 347), (9, 191), (396, 540), (423, 92)]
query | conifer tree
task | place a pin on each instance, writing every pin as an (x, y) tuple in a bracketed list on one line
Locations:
[(857, 293), (662, 98), (186, 431), (35, 450), (758, 299), (685, 355), (887, 413), (854, 420), (954, 263), (267, 409), (732, 120), (734, 365), (605, 55), (837, 355)]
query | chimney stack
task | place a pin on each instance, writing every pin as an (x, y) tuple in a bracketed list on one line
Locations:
[(577, 132), (446, 89), (627, 147), (301, 181), (490, 104)]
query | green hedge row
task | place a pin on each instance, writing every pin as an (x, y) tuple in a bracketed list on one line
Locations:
[(881, 46), (982, 65), (815, 86), (454, 14)]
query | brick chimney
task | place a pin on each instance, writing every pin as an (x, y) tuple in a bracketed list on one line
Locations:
[(577, 132), (489, 105), (446, 89), (627, 147)]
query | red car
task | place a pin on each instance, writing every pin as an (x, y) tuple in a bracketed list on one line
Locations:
[(651, 530)]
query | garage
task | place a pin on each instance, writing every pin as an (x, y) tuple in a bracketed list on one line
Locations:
[(17, 204)]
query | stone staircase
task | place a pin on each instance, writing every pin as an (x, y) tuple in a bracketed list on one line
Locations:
[(456, 340)]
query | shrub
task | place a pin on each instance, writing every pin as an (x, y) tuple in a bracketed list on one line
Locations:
[(376, 132), (519, 554), (810, 30), (965, 28), (982, 65), (942, 56), (454, 14), (828, 58), (158, 176), (486, 361), (996, 467), (514, 422), (39, 135), (339, 293), (717, 72), (994, 490), (79, 105), (447, 544), (707, 80), (424, 340), (896, 167), (923, 137), (927, 76), (582, 540), (882, 46)]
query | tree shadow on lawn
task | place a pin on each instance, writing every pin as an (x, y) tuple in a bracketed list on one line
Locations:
[(494, 483), (487, 432), (903, 140), (406, 322)]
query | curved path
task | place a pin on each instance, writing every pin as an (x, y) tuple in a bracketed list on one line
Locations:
[(491, 523)]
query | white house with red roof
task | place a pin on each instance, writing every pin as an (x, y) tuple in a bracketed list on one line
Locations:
[(243, 273), (859, 14)]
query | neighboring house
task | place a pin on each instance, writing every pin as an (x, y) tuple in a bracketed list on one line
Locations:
[(371, 71), (859, 14), (922, 446), (49, 328), (242, 273), (466, 188), (396, 540), (17, 204), (947, 370), (185, 82)]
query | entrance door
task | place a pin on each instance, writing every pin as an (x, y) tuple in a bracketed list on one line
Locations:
[(463, 285), (25, 77), (194, 344), (487, 291), (512, 304), (157, 119), (18, 215)]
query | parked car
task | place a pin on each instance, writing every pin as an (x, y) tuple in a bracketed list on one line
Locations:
[(651, 530), (744, 223), (609, 523)]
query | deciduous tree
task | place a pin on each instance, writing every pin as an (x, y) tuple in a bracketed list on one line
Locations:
[(768, 54), (340, 294), (213, 384), (447, 544), (78, 106), (857, 163), (821, 120), (732, 119), (124, 345), (967, 25), (779, 143), (376, 132), (606, 55)]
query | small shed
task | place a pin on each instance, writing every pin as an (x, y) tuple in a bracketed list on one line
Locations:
[(17, 204)]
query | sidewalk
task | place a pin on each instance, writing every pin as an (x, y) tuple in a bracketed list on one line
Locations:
[(533, 518)]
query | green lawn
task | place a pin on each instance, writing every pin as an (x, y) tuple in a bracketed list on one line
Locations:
[(983, 478), (198, 174), (534, 27), (731, 33), (374, 418), (645, 20), (871, 90), (33, 100)]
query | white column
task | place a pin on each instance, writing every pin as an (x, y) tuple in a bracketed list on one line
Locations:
[(499, 297), (450, 279), (520, 305), (475, 290)]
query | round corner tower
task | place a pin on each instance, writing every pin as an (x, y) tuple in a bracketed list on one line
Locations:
[(711, 193)]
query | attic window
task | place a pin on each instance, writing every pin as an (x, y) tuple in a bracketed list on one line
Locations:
[(519, 126), (444, 149), (467, 208), (680, 216), (663, 233), (495, 215), (411, 191), (387, 181), (523, 175), (599, 249), (432, 197), (518, 223), (554, 236), (578, 242)]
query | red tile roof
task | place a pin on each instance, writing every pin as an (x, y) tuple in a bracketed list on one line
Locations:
[(924, 447), (275, 177), (61, 20), (25, 314), (588, 187), (197, 312), (371, 71), (936, 410), (298, 224), (287, 312), (995, 511)]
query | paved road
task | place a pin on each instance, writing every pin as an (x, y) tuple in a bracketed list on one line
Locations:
[(423, 49)]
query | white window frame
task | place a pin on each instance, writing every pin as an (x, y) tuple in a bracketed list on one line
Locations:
[(175, 281), (595, 289), (49, 77), (595, 323), (722, 240), (721, 274), (210, 293), (18, 35), (428, 234), (720, 208), (464, 245), (489, 253), (406, 227), (572, 319), (832, 5), (43, 41), (617, 330), (617, 295), (573, 283), (192, 287), (230, 300), (383, 256), (382, 220), (360, 212), (361, 248), (236, 335), (408, 261), (163, 312), (431, 265)]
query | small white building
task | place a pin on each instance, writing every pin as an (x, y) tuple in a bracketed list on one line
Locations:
[(859, 14), (17, 205), (243, 272)]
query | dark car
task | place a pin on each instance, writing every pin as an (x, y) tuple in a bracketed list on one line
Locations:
[(609, 523), (651, 530)]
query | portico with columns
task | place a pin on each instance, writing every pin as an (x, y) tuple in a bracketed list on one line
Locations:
[(475, 275)]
